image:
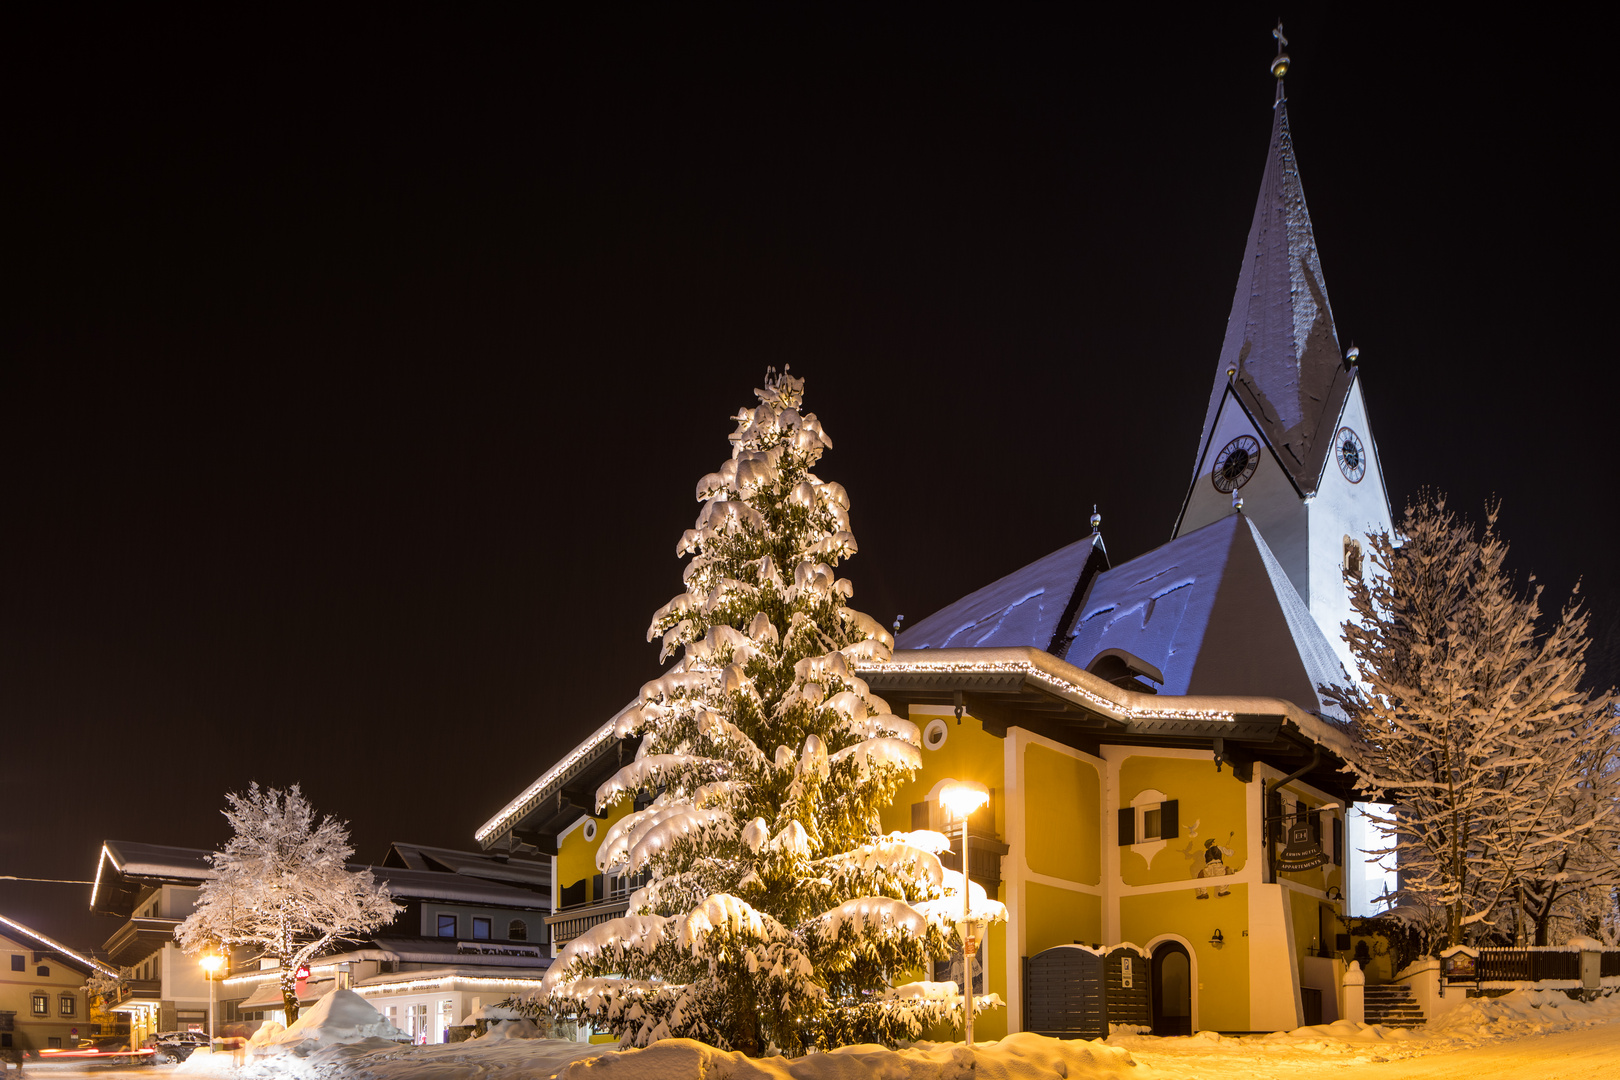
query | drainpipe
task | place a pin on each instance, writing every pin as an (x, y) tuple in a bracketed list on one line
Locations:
[(1265, 810)]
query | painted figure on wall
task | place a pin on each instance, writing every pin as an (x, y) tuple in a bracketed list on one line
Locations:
[(1212, 865)]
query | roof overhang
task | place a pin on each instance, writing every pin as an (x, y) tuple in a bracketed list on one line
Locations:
[(1034, 690), (560, 795)]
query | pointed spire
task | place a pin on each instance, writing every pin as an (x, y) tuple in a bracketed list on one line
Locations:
[(1281, 354)]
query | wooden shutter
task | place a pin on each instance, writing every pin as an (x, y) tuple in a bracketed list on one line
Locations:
[(1170, 819), (1127, 825), (919, 815), (1338, 841)]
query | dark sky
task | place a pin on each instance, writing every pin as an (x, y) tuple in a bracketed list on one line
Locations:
[(359, 369)]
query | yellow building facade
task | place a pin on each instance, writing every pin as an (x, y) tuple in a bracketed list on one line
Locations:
[(42, 998)]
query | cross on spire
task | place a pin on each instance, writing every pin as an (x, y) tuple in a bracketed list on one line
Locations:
[(1279, 63)]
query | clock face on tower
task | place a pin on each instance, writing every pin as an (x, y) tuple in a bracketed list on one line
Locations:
[(1352, 456), (1235, 463)]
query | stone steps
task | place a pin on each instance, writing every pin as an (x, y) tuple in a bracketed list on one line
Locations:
[(1392, 1006)]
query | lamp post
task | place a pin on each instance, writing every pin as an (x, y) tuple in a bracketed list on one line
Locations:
[(211, 962), (962, 798)]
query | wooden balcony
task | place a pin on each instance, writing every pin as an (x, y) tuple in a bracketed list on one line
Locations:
[(139, 938), (570, 923)]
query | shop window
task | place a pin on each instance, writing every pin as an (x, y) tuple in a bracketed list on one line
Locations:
[(42, 1005), (447, 926), (517, 930), (66, 1005), (480, 928)]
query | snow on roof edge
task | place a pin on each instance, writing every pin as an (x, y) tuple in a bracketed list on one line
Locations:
[(515, 808), (57, 947), (1089, 690)]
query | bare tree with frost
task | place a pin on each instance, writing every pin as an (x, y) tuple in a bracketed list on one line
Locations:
[(282, 885), (1473, 723), (778, 915)]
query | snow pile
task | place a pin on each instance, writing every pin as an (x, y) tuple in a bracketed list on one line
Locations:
[(340, 1017), (1521, 1012), (1017, 1057)]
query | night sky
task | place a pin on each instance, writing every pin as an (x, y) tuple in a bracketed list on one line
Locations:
[(359, 369)]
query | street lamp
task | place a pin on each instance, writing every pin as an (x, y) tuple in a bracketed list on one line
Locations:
[(961, 798), (212, 963)]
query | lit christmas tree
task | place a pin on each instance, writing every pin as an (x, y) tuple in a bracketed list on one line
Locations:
[(778, 916)]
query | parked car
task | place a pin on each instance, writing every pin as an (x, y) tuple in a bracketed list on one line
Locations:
[(175, 1045)]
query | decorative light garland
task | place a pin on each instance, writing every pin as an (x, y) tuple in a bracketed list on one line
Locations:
[(519, 804), (57, 946), (388, 988), (1029, 670)]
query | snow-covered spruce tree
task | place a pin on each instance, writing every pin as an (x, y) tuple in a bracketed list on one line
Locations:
[(1471, 722), (282, 885), (778, 915)]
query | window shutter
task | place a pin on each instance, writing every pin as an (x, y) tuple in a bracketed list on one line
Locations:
[(919, 815), (1169, 819), (1338, 842), (1315, 818), (1127, 825), (1274, 811), (1299, 813)]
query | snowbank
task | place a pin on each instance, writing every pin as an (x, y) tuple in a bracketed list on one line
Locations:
[(505, 1055), (1017, 1057), (339, 1018)]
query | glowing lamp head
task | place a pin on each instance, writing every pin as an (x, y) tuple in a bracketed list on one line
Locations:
[(211, 963), (962, 797)]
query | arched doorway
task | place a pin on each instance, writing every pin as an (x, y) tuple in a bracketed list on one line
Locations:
[(1172, 989)]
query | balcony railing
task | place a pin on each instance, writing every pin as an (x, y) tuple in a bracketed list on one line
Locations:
[(138, 990), (570, 923)]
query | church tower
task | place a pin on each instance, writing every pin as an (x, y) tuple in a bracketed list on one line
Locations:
[(1286, 439)]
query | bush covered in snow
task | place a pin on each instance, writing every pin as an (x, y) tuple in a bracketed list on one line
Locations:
[(778, 914)]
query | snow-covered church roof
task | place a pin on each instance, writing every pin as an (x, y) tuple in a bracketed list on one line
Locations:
[(1028, 607), (1281, 343), (1212, 612), (1215, 613)]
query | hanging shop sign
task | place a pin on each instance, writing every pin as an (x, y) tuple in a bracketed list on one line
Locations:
[(1303, 851)]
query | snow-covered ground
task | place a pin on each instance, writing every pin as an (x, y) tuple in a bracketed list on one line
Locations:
[(1539, 1034)]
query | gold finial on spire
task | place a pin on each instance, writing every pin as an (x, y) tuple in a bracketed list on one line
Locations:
[(1279, 63)]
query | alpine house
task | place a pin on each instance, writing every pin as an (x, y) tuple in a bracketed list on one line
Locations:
[(1166, 823)]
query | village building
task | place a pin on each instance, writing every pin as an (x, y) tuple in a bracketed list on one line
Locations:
[(472, 933), (1165, 770), (43, 1005)]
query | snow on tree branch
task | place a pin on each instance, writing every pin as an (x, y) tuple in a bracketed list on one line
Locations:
[(778, 915), (282, 885)]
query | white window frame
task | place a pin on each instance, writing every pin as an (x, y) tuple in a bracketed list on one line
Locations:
[(1145, 800)]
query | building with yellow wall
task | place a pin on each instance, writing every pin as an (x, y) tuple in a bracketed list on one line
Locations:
[(1163, 762), (42, 998)]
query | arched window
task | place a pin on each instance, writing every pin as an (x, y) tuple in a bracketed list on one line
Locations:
[(518, 931)]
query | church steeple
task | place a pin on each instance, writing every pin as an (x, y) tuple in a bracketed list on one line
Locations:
[(1286, 434), (1281, 349)]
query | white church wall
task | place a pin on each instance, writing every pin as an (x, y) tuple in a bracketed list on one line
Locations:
[(1340, 509)]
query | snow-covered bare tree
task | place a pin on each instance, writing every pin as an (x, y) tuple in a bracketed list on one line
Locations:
[(778, 915), (1470, 720), (282, 885), (1574, 891)]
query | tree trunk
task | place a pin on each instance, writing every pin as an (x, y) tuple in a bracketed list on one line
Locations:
[(289, 993)]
